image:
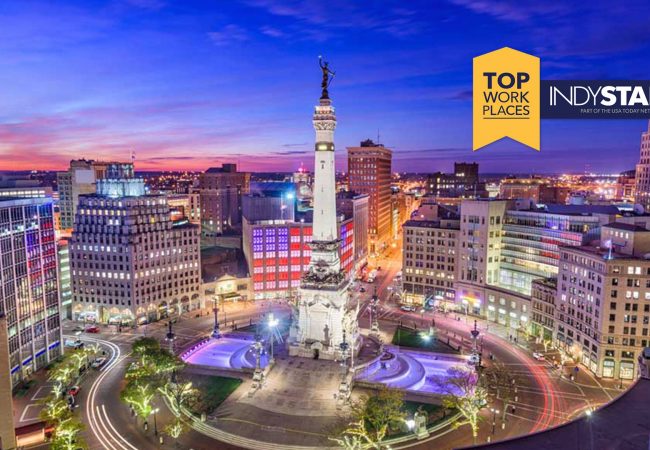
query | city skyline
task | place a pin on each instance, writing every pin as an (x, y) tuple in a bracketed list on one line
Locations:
[(186, 86)]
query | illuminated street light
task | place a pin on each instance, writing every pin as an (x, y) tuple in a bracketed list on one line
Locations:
[(272, 323)]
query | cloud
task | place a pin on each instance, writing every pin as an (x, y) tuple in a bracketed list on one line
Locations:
[(229, 34), (291, 152), (295, 145), (272, 32)]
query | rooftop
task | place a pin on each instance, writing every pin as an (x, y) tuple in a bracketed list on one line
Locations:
[(625, 227), (427, 224)]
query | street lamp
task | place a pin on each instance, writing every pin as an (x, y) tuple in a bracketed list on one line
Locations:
[(155, 423), (273, 323), (216, 333), (494, 418)]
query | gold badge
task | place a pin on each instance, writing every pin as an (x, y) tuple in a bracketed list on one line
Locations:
[(506, 98)]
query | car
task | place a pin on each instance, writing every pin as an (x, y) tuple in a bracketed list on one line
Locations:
[(362, 290), (73, 391), (74, 344), (538, 356), (92, 329), (98, 363)]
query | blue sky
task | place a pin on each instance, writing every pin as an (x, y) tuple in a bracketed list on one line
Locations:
[(189, 84)]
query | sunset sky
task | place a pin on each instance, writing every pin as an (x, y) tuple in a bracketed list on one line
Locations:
[(190, 84)]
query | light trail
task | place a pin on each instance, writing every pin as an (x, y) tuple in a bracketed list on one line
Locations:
[(100, 423)]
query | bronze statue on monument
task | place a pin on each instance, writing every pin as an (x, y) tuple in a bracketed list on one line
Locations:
[(327, 77)]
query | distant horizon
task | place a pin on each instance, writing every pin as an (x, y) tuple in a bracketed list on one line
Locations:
[(192, 84)]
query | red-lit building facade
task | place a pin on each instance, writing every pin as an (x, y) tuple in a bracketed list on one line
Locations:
[(277, 253)]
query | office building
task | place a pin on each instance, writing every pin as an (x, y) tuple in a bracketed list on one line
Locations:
[(65, 284), (369, 172), (29, 289), (543, 295), (642, 178), (220, 190), (278, 253), (463, 183), (503, 249), (625, 186), (602, 313), (16, 186), (355, 205), (81, 178), (429, 259), (185, 207), (129, 263)]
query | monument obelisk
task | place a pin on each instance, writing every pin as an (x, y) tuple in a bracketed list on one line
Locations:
[(325, 316)]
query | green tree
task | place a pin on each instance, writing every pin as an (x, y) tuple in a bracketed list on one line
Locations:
[(67, 435), (501, 383), (55, 409), (175, 430), (181, 394), (373, 416), (139, 394), (461, 390)]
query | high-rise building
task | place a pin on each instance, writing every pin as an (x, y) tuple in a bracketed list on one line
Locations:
[(602, 311), (429, 259), (65, 284), (14, 186), (369, 172), (220, 190), (504, 249), (325, 315), (355, 205), (642, 181), (81, 178), (544, 291), (129, 263), (278, 253), (29, 284)]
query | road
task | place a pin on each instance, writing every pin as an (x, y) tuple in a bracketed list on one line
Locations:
[(544, 399)]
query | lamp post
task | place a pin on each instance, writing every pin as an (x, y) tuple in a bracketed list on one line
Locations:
[(273, 323), (494, 419), (155, 422), (216, 333)]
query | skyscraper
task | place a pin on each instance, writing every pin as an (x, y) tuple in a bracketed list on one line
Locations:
[(642, 184), (129, 263), (81, 178), (325, 317), (220, 190), (29, 296), (369, 170)]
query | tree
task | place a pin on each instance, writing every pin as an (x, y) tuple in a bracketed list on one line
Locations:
[(501, 383), (55, 409), (461, 390), (139, 394), (175, 430), (355, 437), (67, 435), (144, 345), (372, 417), (181, 394), (61, 374)]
